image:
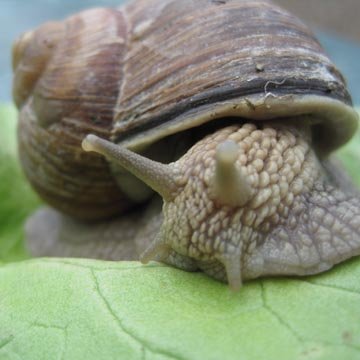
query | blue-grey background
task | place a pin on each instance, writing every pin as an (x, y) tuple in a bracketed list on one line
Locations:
[(16, 16)]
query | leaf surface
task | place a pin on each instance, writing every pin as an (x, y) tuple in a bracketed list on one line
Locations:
[(73, 309)]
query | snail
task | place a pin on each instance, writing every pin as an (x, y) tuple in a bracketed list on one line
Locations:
[(229, 110)]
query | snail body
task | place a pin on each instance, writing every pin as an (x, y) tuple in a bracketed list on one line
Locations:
[(234, 108)]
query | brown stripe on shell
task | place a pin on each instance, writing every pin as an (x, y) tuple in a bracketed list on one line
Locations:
[(82, 80), (188, 54), (30, 56), (75, 182)]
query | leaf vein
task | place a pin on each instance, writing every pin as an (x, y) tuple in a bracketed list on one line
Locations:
[(64, 330), (277, 316), (6, 341), (301, 339), (92, 267), (143, 344), (334, 287)]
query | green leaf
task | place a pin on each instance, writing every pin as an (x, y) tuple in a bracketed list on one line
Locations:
[(82, 309), (17, 200), (87, 309)]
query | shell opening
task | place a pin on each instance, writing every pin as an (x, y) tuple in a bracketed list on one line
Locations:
[(333, 121)]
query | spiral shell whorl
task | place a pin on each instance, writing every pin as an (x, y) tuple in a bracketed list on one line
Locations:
[(74, 96)]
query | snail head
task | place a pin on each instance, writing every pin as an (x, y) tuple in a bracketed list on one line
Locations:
[(228, 190)]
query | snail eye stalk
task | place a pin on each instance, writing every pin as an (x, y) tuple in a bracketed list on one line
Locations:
[(160, 177), (229, 185)]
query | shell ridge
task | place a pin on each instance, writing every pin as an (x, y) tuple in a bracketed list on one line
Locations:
[(124, 71)]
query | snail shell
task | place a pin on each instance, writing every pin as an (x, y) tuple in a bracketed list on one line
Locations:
[(141, 74), (154, 68)]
